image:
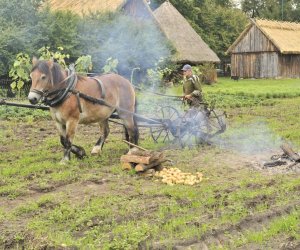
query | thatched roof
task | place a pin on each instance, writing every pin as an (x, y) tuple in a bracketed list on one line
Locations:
[(86, 6), (284, 35), (189, 45)]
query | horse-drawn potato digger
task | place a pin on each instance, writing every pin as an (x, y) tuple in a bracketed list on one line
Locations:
[(191, 127)]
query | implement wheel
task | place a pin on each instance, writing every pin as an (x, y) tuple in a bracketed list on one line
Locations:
[(200, 126), (166, 131)]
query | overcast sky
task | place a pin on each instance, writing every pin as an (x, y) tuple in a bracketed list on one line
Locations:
[(238, 2)]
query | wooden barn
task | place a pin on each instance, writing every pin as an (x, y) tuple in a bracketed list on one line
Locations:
[(189, 45), (267, 49)]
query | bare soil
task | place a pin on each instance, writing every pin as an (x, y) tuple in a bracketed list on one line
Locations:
[(80, 191)]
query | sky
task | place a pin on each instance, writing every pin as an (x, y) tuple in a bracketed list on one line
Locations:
[(238, 2)]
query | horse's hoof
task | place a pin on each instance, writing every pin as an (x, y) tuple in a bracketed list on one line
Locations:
[(64, 161), (96, 150), (81, 155)]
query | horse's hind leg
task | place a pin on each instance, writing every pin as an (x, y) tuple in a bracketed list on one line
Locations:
[(104, 131), (131, 128), (126, 134)]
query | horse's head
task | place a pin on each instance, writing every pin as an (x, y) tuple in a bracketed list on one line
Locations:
[(44, 75)]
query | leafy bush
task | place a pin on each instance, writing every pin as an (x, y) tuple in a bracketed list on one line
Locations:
[(20, 72), (208, 73), (21, 68)]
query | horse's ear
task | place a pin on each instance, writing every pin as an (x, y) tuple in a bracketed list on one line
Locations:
[(34, 60), (51, 63)]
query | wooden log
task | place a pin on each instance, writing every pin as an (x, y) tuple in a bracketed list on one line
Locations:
[(290, 152), (136, 146), (133, 151), (127, 165), (274, 163), (143, 167), (136, 159), (153, 154)]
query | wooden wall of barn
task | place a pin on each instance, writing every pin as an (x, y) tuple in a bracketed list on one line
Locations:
[(255, 65), (289, 66), (265, 65), (255, 56), (254, 41), (138, 9)]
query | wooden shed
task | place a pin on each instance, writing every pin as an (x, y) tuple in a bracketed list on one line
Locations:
[(267, 49)]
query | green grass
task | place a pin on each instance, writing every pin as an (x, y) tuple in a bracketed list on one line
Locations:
[(287, 225), (246, 92), (93, 204), (24, 114)]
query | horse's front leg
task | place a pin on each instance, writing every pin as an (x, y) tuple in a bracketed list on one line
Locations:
[(71, 127), (77, 150), (104, 131)]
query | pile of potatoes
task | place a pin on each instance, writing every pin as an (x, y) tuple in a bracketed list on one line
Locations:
[(172, 176)]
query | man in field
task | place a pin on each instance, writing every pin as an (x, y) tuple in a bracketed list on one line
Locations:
[(191, 87)]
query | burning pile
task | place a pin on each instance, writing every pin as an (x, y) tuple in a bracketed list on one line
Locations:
[(288, 158)]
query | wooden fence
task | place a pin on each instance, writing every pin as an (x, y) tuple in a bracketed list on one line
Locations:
[(7, 92)]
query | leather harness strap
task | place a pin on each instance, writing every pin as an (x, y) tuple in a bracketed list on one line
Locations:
[(100, 83), (60, 95), (78, 102)]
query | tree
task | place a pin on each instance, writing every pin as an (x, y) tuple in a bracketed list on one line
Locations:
[(286, 10), (220, 27), (17, 21), (218, 22), (59, 29), (25, 27), (253, 7)]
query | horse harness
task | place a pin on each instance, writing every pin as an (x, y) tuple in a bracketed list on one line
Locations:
[(60, 95)]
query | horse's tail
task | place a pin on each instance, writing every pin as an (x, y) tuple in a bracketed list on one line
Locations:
[(136, 128)]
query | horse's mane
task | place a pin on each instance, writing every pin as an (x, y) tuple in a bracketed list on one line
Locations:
[(56, 71)]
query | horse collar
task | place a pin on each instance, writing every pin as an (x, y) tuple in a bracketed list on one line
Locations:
[(60, 95)]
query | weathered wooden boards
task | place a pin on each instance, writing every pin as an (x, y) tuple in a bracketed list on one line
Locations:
[(142, 160), (148, 163)]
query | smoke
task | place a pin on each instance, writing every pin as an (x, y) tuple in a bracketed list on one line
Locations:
[(251, 138), (134, 43)]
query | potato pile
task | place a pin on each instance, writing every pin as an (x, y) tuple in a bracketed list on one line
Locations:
[(172, 176)]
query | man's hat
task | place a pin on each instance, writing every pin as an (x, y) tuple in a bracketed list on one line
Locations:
[(186, 67)]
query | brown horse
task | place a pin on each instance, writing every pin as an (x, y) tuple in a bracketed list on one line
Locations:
[(62, 90)]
